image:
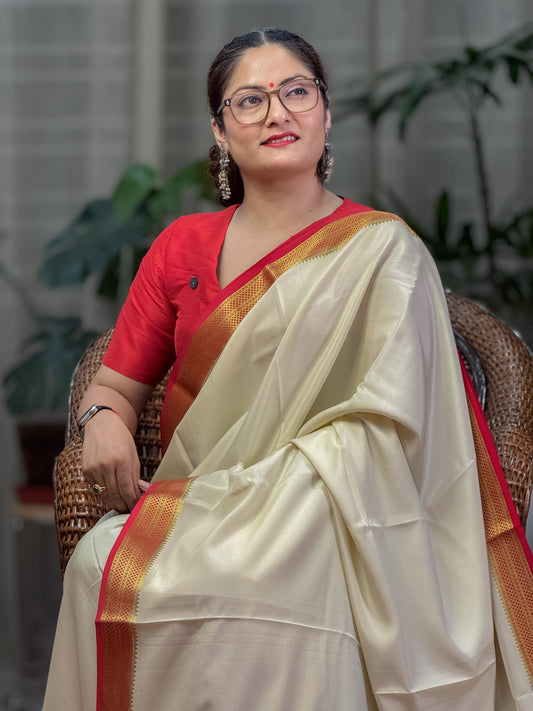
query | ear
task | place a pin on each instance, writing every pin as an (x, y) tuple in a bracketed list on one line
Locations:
[(328, 119), (217, 132)]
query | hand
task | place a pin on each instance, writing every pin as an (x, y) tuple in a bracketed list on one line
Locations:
[(143, 485), (110, 459)]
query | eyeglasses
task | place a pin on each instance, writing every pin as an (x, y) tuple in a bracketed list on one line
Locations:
[(253, 105)]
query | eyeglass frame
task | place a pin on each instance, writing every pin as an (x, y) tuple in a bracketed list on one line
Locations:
[(227, 102)]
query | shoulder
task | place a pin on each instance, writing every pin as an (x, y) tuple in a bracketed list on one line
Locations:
[(188, 235), (391, 229), (200, 222), (386, 241), (368, 218), (350, 207), (199, 228)]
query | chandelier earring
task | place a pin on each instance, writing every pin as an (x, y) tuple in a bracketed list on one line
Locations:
[(223, 180), (327, 160)]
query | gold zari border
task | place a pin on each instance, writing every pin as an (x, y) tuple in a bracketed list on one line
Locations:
[(125, 573), (511, 571)]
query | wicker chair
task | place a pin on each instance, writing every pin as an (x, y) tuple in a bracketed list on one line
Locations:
[(506, 367)]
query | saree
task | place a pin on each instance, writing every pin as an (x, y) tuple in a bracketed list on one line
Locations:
[(314, 535)]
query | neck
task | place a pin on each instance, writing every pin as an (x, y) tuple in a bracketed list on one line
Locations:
[(286, 203)]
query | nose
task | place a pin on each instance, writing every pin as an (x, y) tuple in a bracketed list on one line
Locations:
[(276, 111)]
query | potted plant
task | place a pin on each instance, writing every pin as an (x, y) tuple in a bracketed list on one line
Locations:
[(491, 261)]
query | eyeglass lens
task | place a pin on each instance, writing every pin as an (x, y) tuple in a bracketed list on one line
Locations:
[(252, 105)]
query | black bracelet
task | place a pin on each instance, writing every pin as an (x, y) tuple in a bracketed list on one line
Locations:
[(89, 414)]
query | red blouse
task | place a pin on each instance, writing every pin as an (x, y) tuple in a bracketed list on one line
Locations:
[(176, 281)]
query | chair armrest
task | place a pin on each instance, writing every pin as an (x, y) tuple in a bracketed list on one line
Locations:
[(77, 509)]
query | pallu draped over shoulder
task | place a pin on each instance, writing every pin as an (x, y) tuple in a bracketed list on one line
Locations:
[(314, 536)]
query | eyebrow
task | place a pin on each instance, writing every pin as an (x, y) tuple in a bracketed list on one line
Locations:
[(263, 88)]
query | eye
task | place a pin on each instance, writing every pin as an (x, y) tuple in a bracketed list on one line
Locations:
[(296, 90), (249, 100)]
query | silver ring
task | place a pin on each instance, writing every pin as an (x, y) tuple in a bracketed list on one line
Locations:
[(98, 489)]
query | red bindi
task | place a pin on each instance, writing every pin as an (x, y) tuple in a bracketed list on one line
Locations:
[(271, 83)]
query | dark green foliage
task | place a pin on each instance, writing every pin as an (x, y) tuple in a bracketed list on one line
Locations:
[(490, 260), (40, 381)]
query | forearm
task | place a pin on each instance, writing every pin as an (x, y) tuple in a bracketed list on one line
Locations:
[(104, 395), (109, 457), (125, 396)]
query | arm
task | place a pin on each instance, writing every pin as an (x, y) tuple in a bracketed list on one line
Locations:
[(141, 351), (109, 455)]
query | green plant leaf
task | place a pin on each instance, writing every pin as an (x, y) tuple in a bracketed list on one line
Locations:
[(466, 249), (403, 89), (411, 98), (167, 200), (471, 53), (41, 378), (134, 186), (89, 242), (517, 232)]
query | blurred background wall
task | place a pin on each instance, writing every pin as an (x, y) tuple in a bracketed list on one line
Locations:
[(90, 86)]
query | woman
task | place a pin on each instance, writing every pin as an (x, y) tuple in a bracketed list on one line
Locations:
[(313, 538)]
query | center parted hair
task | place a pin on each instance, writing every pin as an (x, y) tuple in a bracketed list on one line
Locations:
[(219, 76)]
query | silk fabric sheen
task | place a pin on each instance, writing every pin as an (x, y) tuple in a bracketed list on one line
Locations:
[(327, 551)]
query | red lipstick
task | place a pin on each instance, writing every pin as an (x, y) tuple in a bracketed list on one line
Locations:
[(280, 139)]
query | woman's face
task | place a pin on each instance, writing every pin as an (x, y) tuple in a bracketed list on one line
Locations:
[(282, 142)]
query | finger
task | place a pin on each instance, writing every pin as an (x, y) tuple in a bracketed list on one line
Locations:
[(127, 488), (105, 475), (110, 495), (97, 479)]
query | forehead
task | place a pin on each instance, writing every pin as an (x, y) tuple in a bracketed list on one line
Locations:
[(259, 66)]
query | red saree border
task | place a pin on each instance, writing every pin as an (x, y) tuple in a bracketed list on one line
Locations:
[(137, 546), (510, 558), (206, 344)]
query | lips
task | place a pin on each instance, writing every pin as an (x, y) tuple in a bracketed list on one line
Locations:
[(280, 139)]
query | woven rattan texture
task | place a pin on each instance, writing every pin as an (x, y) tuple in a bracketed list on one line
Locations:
[(77, 508), (508, 367)]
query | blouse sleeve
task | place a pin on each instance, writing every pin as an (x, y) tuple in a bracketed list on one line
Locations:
[(142, 345)]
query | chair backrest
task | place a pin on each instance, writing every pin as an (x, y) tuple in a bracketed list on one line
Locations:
[(508, 372), (508, 369)]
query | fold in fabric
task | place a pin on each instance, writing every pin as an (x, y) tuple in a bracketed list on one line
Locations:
[(314, 538)]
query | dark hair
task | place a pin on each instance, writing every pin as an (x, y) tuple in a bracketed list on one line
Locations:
[(220, 74)]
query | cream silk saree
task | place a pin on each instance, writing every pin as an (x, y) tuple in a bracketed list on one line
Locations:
[(314, 537)]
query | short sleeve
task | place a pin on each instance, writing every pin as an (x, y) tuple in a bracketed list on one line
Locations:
[(142, 345)]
